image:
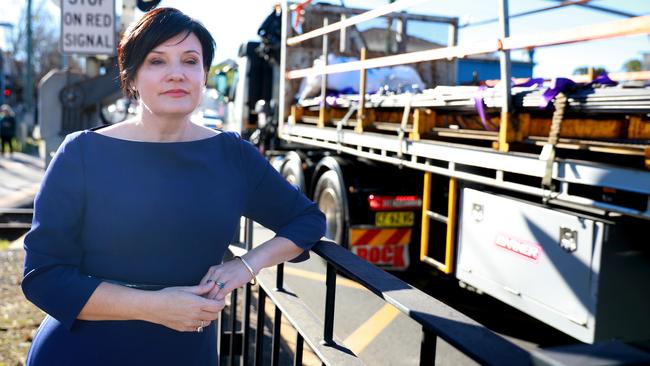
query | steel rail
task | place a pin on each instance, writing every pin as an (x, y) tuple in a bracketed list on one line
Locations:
[(626, 27), (369, 15)]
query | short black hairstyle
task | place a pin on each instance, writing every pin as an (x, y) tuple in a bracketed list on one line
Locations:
[(153, 29)]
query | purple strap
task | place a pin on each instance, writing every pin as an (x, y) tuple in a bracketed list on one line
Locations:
[(558, 86), (480, 106), (561, 84), (530, 82), (603, 79)]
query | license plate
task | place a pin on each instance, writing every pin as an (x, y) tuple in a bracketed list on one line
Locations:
[(392, 219)]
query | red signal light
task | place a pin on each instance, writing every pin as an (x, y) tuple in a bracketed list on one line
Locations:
[(7, 92)]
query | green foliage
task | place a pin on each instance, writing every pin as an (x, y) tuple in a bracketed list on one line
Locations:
[(632, 65)]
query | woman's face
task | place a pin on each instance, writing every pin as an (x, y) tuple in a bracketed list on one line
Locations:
[(171, 78)]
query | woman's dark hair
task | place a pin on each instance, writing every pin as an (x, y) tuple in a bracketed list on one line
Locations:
[(154, 28)]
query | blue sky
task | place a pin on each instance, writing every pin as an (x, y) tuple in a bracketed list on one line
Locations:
[(230, 30), (233, 22)]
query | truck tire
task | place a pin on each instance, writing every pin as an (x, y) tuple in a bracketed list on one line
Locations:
[(329, 196), (292, 171)]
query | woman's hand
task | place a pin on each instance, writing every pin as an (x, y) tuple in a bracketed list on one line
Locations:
[(185, 309), (232, 274)]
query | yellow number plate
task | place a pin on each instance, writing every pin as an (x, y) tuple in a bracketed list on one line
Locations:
[(392, 219)]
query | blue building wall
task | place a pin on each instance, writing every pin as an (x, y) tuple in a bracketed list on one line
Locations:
[(489, 70)]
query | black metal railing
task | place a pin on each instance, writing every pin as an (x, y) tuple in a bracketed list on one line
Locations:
[(437, 319)]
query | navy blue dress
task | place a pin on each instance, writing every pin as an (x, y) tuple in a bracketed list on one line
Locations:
[(156, 213)]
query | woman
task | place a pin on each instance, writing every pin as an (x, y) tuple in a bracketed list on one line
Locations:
[(7, 128), (132, 219)]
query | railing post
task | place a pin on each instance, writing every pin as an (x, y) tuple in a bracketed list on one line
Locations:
[(259, 334), (330, 293), (233, 326), (428, 348), (277, 322), (248, 241), (220, 334), (297, 360), (277, 318), (279, 277)]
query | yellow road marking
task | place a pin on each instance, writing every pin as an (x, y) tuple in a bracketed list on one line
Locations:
[(362, 337), (321, 277)]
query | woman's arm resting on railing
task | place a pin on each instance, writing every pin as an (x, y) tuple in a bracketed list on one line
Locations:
[(271, 201), (234, 274)]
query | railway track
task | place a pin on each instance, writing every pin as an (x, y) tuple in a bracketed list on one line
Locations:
[(14, 222)]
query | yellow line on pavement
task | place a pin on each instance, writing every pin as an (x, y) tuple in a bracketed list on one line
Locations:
[(365, 334), (321, 277)]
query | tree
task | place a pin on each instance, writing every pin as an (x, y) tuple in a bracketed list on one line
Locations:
[(632, 65), (45, 41)]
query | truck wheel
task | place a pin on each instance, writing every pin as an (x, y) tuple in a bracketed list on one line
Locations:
[(328, 194), (292, 172)]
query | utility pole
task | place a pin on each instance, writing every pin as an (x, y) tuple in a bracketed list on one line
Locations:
[(2, 66), (28, 88)]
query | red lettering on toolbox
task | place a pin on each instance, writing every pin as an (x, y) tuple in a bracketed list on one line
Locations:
[(399, 257), (362, 252), (374, 255), (387, 255), (390, 255), (524, 248)]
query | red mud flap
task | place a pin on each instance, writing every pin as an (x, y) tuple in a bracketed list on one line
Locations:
[(387, 248)]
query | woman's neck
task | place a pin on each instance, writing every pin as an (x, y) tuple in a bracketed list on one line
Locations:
[(163, 128)]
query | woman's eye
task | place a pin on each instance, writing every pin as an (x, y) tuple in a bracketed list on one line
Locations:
[(192, 61), (155, 61)]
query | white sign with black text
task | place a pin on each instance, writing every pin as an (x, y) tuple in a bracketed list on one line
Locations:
[(88, 27)]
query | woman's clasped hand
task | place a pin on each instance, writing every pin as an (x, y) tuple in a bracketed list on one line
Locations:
[(185, 308)]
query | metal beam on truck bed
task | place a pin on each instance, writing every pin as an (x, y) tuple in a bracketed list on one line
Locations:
[(448, 159)]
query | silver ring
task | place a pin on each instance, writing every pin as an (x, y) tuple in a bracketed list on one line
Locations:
[(199, 329), (221, 285)]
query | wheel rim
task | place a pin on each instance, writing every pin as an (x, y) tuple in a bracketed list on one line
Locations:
[(291, 178), (329, 203)]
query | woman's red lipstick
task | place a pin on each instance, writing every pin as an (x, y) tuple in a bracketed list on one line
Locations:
[(176, 93)]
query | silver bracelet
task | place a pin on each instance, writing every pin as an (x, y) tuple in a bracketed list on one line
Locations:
[(250, 269)]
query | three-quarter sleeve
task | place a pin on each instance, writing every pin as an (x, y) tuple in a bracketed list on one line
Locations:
[(52, 279), (274, 203)]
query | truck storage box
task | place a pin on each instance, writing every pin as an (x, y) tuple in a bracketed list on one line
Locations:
[(585, 276)]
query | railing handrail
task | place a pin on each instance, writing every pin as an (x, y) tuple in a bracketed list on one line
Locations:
[(457, 329), (466, 335), (626, 27)]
